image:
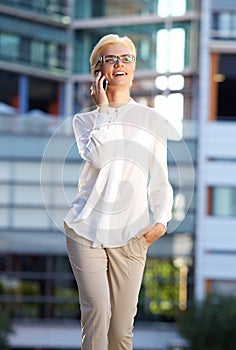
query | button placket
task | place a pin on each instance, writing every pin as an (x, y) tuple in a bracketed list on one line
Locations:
[(112, 117)]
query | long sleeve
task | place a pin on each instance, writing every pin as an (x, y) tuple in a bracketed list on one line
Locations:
[(95, 137), (125, 174), (159, 189)]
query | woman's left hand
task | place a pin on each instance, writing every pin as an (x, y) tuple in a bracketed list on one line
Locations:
[(154, 233)]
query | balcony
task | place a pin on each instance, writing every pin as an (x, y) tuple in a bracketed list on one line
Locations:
[(57, 11)]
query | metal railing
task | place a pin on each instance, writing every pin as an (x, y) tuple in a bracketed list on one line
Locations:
[(33, 124), (51, 8)]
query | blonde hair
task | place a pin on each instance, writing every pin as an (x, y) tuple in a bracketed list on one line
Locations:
[(109, 40)]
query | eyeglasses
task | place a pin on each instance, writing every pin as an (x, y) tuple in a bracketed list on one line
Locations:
[(126, 58)]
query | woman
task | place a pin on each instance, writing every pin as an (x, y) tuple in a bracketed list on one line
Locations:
[(108, 227)]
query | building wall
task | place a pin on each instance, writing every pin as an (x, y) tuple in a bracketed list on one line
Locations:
[(216, 223), (34, 47)]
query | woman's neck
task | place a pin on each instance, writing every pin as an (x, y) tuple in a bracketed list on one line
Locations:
[(118, 98)]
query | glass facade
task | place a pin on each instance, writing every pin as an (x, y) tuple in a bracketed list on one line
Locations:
[(158, 49), (108, 8), (57, 10), (35, 52), (42, 287), (143, 36), (33, 55), (38, 287), (47, 101)]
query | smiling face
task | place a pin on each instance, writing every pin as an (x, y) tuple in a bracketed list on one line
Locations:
[(117, 73)]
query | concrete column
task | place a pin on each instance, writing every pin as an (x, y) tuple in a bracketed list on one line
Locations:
[(23, 93), (204, 90)]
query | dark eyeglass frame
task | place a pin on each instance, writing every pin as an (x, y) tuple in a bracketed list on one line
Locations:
[(114, 59)]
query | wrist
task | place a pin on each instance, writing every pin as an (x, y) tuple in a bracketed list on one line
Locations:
[(162, 228), (103, 108)]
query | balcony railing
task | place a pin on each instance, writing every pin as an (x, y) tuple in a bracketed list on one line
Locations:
[(55, 9), (56, 65), (37, 123)]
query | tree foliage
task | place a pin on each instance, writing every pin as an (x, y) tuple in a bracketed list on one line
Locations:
[(210, 324), (5, 329), (159, 292)]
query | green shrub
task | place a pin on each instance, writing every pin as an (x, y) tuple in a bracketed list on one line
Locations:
[(5, 329), (210, 324)]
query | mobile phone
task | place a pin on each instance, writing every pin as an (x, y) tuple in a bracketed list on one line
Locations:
[(105, 83)]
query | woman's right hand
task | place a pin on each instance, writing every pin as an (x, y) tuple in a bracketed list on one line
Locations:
[(97, 91)]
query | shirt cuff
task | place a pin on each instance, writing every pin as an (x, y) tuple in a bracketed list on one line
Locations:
[(163, 219)]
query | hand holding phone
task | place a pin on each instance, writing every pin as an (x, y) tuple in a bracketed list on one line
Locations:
[(98, 89), (105, 82)]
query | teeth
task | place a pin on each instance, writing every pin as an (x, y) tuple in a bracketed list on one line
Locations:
[(120, 73)]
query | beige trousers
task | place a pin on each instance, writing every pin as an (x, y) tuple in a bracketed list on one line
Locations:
[(109, 281)]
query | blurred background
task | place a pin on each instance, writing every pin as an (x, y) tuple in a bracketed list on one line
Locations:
[(186, 68)]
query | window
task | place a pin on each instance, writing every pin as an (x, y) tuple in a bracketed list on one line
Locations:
[(172, 108), (43, 287), (227, 88), (93, 8), (170, 50), (223, 287), (171, 8), (158, 49), (222, 201), (9, 46), (32, 287), (223, 86), (224, 24), (38, 53), (54, 8), (163, 8)]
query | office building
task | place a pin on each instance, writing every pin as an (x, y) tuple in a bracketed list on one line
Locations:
[(216, 224)]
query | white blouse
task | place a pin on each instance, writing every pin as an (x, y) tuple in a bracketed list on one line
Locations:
[(124, 176)]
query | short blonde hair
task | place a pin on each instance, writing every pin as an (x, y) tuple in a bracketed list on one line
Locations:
[(109, 40)]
